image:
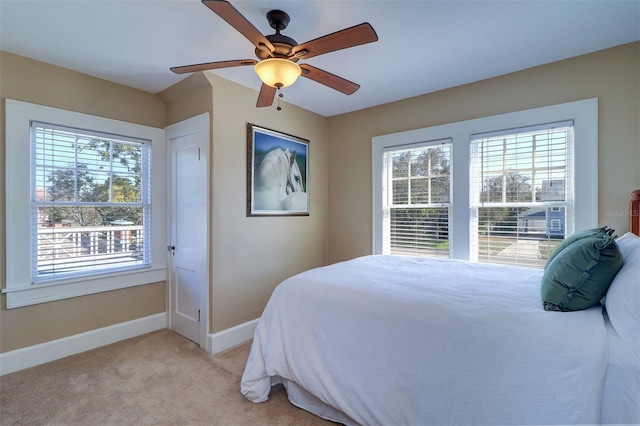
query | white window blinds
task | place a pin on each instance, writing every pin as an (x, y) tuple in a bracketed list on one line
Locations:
[(417, 199), (521, 193), (90, 202)]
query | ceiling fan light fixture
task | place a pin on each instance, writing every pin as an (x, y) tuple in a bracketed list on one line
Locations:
[(278, 72)]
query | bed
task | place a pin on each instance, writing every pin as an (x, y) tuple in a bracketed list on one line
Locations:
[(393, 340)]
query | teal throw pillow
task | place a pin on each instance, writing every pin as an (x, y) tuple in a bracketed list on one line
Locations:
[(580, 275), (575, 237)]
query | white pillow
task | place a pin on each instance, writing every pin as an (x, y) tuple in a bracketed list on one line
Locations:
[(627, 243), (623, 297)]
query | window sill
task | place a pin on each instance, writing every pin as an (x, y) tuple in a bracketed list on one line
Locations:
[(19, 296)]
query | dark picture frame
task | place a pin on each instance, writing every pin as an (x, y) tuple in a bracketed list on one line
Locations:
[(277, 173)]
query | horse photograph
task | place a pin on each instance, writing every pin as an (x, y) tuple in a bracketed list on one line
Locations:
[(277, 168)]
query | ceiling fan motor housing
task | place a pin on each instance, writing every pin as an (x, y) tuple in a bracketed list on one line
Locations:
[(278, 20), (283, 46)]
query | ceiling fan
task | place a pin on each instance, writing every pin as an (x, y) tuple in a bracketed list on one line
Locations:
[(278, 54)]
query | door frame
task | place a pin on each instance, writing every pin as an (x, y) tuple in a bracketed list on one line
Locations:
[(196, 124)]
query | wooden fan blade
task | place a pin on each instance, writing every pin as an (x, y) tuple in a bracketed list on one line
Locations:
[(349, 37), (212, 66), (226, 11), (331, 80), (265, 98)]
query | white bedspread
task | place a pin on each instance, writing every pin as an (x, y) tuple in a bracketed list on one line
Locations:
[(386, 340), (621, 399)]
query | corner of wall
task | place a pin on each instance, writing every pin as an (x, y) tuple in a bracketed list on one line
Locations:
[(187, 98)]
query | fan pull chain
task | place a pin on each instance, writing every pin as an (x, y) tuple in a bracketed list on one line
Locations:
[(280, 96)]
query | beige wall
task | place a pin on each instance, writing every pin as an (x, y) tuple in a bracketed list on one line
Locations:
[(36, 82), (613, 76), (188, 98), (251, 255)]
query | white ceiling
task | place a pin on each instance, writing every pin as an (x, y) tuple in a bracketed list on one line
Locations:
[(423, 46)]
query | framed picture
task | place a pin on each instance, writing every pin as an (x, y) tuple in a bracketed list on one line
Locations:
[(277, 173)]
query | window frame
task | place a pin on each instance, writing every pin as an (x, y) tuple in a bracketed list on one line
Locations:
[(555, 225), (48, 144), (499, 155), (584, 113), (387, 189), (20, 289)]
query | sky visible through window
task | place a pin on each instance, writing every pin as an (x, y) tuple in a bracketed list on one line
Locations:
[(538, 158), (85, 162)]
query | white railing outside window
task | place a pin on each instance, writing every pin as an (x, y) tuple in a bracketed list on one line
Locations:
[(68, 249)]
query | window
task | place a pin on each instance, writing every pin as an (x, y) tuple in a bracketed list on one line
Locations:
[(90, 202), (85, 204), (518, 179), (417, 199), (519, 182)]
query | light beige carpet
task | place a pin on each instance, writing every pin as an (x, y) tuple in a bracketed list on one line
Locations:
[(158, 378)]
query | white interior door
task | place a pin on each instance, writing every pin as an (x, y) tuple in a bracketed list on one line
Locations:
[(189, 227)]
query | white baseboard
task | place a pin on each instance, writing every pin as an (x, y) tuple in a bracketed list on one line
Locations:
[(56, 349), (231, 337)]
